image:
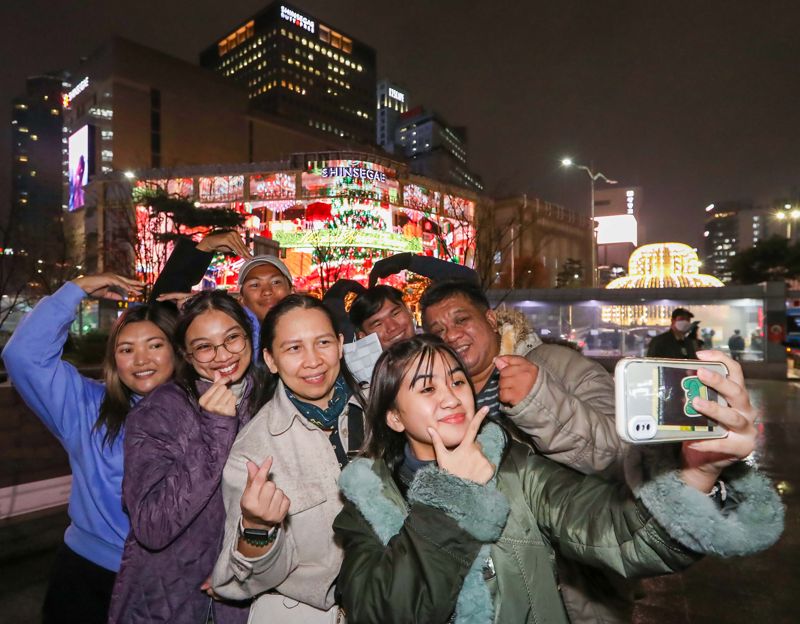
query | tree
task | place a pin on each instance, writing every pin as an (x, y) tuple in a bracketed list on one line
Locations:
[(571, 274), (773, 259), (159, 218)]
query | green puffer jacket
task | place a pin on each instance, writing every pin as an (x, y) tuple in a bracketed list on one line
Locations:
[(459, 551)]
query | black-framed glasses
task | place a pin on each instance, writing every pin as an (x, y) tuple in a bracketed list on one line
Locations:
[(204, 353)]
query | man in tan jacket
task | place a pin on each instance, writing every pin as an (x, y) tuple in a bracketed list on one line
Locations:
[(561, 399)]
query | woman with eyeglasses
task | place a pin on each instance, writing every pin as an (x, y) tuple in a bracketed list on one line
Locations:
[(176, 445)]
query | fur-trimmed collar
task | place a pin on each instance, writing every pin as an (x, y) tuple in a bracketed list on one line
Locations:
[(480, 510)]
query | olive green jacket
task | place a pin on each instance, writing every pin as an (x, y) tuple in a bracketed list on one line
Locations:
[(458, 550)]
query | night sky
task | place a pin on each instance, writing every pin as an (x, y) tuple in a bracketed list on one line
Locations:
[(694, 101)]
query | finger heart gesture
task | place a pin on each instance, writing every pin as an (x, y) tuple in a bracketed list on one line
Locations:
[(219, 399), (263, 504), (467, 460)]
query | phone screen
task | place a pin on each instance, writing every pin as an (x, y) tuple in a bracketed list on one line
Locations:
[(672, 401)]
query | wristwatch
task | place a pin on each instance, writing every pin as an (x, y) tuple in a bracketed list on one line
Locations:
[(258, 537)]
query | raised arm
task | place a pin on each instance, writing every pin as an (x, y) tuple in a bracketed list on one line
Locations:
[(568, 409), (65, 401), (242, 570)]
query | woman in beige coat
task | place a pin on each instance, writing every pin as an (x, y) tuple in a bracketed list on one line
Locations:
[(280, 481)]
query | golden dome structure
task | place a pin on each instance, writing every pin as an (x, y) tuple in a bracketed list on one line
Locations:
[(665, 265)]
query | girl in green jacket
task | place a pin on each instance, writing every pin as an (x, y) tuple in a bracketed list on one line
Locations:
[(448, 520)]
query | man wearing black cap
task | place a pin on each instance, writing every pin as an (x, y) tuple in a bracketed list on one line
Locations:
[(675, 342)]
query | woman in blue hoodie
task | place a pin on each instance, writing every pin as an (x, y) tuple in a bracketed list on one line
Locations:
[(87, 417)]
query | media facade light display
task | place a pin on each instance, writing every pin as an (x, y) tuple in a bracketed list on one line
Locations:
[(334, 219), (80, 162)]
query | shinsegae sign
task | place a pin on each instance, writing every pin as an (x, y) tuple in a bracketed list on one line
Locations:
[(353, 172)]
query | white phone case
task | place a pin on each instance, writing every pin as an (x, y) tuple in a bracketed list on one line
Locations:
[(636, 418)]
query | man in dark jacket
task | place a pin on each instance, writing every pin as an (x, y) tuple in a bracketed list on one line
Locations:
[(736, 345), (674, 343)]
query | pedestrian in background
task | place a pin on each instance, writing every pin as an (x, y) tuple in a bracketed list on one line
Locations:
[(675, 343), (736, 345)]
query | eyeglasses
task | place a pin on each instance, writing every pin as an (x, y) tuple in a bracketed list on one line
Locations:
[(204, 353)]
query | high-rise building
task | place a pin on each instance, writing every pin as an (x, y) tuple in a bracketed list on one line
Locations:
[(299, 68), (38, 155), (733, 226), (435, 149), (392, 103)]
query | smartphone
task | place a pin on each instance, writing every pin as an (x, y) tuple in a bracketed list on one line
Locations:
[(654, 400)]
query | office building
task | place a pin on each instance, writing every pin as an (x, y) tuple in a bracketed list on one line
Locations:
[(393, 101), (298, 68), (435, 149), (38, 157), (733, 226)]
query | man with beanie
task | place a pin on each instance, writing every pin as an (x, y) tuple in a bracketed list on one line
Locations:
[(675, 342)]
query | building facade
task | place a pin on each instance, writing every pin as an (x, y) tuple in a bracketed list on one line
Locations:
[(435, 149), (526, 242), (298, 68), (39, 154), (393, 101), (616, 210), (333, 214), (733, 226)]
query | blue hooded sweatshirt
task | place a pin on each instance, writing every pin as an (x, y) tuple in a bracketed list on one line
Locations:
[(68, 404)]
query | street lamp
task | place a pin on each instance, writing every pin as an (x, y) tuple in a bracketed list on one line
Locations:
[(788, 216), (593, 177)]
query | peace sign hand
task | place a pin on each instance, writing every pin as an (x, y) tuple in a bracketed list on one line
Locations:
[(467, 460)]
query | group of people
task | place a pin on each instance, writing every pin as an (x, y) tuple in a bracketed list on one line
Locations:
[(229, 468)]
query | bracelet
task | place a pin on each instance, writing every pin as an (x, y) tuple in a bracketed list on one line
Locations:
[(258, 537)]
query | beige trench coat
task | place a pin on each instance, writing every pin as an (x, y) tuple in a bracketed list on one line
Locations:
[(294, 582)]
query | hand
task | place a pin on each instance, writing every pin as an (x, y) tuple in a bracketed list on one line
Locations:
[(229, 242), (219, 399), (389, 266), (109, 286), (263, 505), (207, 589), (704, 460), (517, 376), (467, 460), (178, 298)]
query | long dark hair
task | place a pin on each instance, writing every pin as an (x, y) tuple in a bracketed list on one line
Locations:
[(287, 304), (382, 442), (117, 400), (200, 303)]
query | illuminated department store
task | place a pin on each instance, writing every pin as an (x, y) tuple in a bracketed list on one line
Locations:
[(333, 214)]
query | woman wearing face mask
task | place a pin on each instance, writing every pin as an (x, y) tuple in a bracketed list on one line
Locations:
[(88, 418), (444, 523), (175, 448), (279, 484)]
